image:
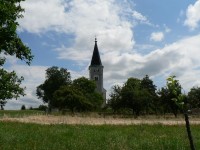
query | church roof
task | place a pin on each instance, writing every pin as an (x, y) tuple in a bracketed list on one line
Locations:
[(96, 60)]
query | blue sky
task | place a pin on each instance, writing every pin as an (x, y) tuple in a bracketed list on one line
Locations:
[(135, 38)]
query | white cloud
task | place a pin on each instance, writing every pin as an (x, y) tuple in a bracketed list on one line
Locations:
[(192, 15), (43, 15), (82, 18), (157, 36), (180, 58), (139, 16)]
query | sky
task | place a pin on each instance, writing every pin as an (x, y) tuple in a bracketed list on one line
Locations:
[(135, 38)]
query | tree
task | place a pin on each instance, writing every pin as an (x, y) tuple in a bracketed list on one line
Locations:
[(11, 44), (134, 97), (167, 94), (42, 107), (194, 97), (137, 95), (2, 104), (23, 107), (152, 101), (9, 86), (68, 97), (181, 101), (79, 96), (147, 83), (87, 87), (55, 78), (115, 101)]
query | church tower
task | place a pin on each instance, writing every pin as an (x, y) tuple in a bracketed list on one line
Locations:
[(96, 71)]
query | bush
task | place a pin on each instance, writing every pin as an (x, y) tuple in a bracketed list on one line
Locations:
[(23, 107)]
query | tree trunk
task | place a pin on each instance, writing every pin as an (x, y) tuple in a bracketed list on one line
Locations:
[(187, 123)]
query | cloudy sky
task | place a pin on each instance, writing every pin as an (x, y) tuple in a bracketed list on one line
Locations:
[(135, 38)]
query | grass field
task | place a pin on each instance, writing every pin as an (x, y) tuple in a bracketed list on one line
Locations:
[(54, 136), (20, 136), (19, 113)]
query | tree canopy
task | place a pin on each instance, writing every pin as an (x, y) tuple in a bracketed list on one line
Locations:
[(87, 87), (11, 44), (194, 97), (135, 94), (55, 78), (59, 91), (168, 95)]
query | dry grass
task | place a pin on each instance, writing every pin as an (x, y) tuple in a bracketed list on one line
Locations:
[(94, 120)]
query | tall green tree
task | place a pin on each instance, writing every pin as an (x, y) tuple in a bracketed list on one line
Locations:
[(87, 87), (135, 97), (180, 100), (167, 94), (9, 86), (11, 44), (194, 97), (71, 98), (55, 78), (115, 101), (148, 84), (152, 102)]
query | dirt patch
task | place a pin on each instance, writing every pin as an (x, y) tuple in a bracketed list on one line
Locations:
[(50, 119)]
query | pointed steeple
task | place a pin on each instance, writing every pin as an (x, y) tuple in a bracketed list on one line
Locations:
[(96, 60)]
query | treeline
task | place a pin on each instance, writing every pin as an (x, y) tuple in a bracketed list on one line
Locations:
[(140, 96), (60, 92), (135, 96)]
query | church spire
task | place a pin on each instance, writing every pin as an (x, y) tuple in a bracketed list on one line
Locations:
[(96, 60)]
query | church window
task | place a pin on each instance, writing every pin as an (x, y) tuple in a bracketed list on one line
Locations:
[(96, 78)]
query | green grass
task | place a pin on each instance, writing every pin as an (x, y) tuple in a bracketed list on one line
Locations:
[(19, 136), (19, 113)]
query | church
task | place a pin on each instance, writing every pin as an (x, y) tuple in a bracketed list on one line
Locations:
[(96, 71)]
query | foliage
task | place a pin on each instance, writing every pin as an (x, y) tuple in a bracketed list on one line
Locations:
[(87, 88), (84, 85), (152, 103), (42, 107), (55, 78), (115, 101), (11, 44), (137, 95), (23, 107), (176, 95), (67, 97), (180, 100), (194, 97), (79, 96), (9, 86), (132, 95), (171, 96)]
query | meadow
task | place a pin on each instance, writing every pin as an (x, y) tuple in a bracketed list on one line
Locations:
[(31, 136)]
